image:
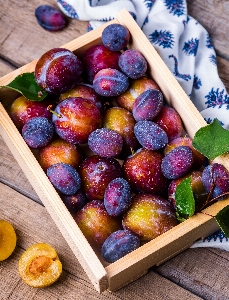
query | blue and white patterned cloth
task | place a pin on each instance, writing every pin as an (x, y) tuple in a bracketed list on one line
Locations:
[(183, 44)]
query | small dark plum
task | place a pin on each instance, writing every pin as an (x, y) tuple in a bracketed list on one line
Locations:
[(38, 132), (105, 142), (115, 37), (74, 202), (132, 63), (150, 135), (177, 162), (50, 18), (96, 58), (58, 70), (119, 244), (64, 178), (147, 105), (215, 179), (117, 197), (110, 82)]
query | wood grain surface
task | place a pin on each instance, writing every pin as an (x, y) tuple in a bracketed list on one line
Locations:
[(194, 274)]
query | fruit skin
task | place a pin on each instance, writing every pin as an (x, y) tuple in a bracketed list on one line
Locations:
[(143, 172), (115, 37), (95, 223), (50, 18), (8, 239), (64, 178), (117, 197), (96, 58), (119, 244), (110, 82), (74, 202), (96, 173), (122, 121), (149, 216), (59, 151), (132, 63), (75, 118), (169, 120), (136, 87), (58, 70), (22, 110), (39, 266), (177, 162), (38, 132), (215, 179)]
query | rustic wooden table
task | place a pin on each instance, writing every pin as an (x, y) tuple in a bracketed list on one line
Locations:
[(193, 274)]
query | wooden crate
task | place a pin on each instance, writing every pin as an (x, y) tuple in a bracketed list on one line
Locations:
[(102, 275)]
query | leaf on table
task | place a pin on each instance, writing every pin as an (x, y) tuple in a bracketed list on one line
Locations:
[(223, 220), (211, 140), (185, 202), (26, 85)]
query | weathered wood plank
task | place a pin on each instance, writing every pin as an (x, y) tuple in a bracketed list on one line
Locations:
[(33, 224), (5, 67)]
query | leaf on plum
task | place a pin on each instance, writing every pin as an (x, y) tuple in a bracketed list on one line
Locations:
[(26, 85), (185, 202), (223, 220), (211, 140)]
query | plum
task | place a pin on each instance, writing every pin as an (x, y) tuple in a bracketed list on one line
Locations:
[(169, 120), (75, 118), (59, 151), (177, 162), (105, 142), (136, 87), (143, 172), (95, 223), (215, 179), (50, 18), (64, 178), (117, 197), (58, 70), (115, 37), (110, 82), (149, 216), (96, 173), (147, 105), (96, 58), (23, 109), (74, 202), (38, 132), (119, 244), (8, 239), (150, 135), (122, 121), (132, 63)]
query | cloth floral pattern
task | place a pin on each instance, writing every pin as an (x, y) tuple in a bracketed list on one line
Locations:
[(183, 44)]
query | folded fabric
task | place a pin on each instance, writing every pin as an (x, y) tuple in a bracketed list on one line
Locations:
[(182, 43)]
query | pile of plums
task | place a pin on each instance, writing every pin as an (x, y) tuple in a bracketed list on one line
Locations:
[(121, 192)]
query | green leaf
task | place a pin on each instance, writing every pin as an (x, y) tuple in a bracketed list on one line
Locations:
[(28, 87), (211, 140), (222, 219), (185, 202)]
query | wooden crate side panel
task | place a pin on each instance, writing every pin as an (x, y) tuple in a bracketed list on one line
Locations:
[(55, 206)]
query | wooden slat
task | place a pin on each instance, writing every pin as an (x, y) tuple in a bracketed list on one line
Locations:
[(73, 283)]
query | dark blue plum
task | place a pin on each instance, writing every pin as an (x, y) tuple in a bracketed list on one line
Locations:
[(105, 142), (132, 63), (50, 18), (119, 244), (177, 162), (115, 37), (64, 178), (147, 105), (117, 197), (150, 135), (38, 132), (74, 202), (215, 179)]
